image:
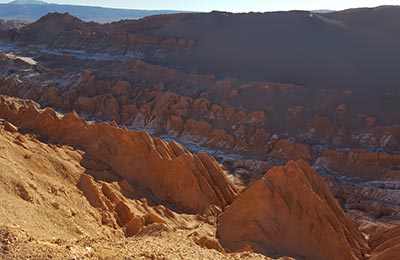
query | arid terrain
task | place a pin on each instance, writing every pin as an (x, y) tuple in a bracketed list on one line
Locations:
[(161, 138)]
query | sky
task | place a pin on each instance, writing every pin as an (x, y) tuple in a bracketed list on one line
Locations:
[(230, 5)]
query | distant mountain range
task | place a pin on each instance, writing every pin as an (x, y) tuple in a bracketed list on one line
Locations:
[(31, 10)]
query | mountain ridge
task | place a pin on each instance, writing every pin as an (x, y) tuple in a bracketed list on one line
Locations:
[(31, 10), (26, 2)]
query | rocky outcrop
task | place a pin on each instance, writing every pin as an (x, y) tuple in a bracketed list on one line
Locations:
[(120, 208), (290, 211), (385, 245), (359, 163), (187, 182), (286, 150)]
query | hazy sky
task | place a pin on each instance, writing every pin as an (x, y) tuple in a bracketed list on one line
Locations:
[(230, 5)]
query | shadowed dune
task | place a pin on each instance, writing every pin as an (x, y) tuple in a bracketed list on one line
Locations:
[(354, 49)]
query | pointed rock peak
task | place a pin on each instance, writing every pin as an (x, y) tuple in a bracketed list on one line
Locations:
[(291, 212)]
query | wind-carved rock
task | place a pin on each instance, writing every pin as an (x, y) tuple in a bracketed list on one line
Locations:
[(187, 182), (290, 211)]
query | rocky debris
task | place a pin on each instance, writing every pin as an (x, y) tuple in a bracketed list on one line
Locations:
[(270, 217)]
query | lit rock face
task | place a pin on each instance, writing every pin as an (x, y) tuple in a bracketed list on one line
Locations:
[(187, 182), (290, 211)]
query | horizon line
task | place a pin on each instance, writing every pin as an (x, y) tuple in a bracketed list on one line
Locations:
[(213, 10)]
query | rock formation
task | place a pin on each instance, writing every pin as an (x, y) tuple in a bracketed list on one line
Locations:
[(58, 202), (161, 167), (359, 163), (135, 183), (172, 102), (290, 211)]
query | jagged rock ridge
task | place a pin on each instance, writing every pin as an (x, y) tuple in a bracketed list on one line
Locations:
[(290, 211), (161, 167)]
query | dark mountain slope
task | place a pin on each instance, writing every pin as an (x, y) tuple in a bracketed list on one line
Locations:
[(50, 26)]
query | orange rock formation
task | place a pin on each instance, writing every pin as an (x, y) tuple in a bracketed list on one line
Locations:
[(192, 183), (290, 211)]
